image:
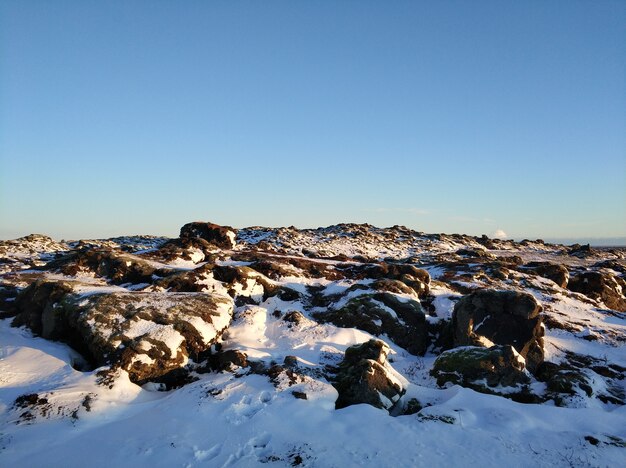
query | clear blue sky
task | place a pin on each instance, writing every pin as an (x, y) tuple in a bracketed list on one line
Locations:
[(126, 117)]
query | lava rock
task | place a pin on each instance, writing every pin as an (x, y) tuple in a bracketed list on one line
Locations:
[(402, 320), (221, 236), (480, 368), (557, 273), (601, 286), (147, 334), (487, 317), (364, 376)]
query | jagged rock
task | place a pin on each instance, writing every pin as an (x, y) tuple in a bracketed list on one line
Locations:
[(147, 334), (487, 317), (221, 236), (402, 320), (557, 273), (601, 286), (364, 376), (481, 369)]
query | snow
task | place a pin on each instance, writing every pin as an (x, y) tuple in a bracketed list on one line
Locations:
[(244, 419)]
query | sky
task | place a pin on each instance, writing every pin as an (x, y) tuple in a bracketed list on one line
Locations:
[(487, 117)]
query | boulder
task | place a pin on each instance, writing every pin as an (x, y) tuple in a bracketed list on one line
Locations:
[(147, 334), (364, 376), (402, 320), (487, 317), (481, 369), (601, 286), (221, 236), (552, 271)]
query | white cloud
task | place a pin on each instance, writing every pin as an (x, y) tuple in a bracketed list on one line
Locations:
[(499, 234)]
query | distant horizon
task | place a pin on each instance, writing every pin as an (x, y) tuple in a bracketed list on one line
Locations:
[(593, 241)]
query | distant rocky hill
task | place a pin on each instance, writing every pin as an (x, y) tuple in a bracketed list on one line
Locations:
[(349, 314)]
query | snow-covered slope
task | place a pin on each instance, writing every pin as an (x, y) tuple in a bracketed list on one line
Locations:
[(261, 390)]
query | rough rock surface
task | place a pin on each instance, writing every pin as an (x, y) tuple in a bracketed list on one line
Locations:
[(488, 317), (601, 286), (482, 369), (146, 334), (402, 320), (557, 273), (221, 236), (364, 376)]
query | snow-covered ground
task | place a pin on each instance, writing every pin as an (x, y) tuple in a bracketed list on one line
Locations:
[(54, 415)]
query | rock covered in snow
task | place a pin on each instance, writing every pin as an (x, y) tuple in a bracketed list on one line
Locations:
[(401, 319), (146, 334), (487, 317), (364, 376)]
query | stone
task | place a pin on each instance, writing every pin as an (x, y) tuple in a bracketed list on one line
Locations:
[(480, 368), (557, 273), (221, 236), (364, 376), (150, 335), (402, 320), (487, 317), (601, 286)]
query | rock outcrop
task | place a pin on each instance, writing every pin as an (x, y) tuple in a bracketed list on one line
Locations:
[(147, 334), (557, 273), (402, 320), (364, 376), (489, 317), (482, 369), (221, 236), (601, 286)]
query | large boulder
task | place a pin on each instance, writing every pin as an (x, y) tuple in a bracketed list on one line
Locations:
[(401, 319), (487, 317), (482, 369), (221, 236), (552, 271), (147, 334), (364, 376), (601, 286)]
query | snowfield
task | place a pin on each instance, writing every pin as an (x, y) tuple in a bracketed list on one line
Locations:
[(63, 406)]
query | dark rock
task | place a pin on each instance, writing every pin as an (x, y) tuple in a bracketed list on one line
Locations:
[(365, 377), (581, 251), (231, 357), (601, 286), (488, 317), (557, 273), (221, 236), (290, 362), (300, 395), (479, 368), (116, 266), (193, 249), (294, 317), (405, 325), (475, 253)]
